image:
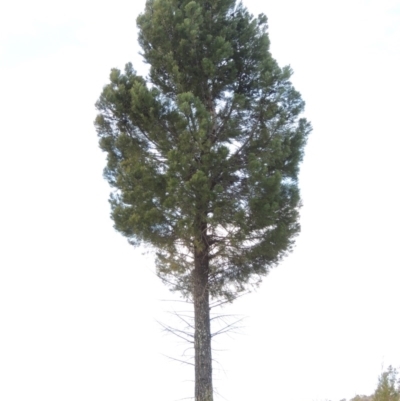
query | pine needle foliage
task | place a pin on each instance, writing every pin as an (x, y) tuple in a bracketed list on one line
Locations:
[(204, 153), (388, 388)]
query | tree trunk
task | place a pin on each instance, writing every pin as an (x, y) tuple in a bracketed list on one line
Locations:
[(202, 331)]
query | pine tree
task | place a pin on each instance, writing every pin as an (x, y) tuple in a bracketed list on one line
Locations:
[(388, 386), (203, 155)]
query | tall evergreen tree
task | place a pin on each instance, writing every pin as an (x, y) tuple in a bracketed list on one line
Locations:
[(204, 154), (388, 388)]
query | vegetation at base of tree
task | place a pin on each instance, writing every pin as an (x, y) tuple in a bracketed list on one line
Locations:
[(388, 388), (203, 155)]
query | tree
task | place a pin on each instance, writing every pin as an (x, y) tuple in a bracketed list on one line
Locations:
[(388, 386), (204, 154)]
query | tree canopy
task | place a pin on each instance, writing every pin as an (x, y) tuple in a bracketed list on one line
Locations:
[(212, 137)]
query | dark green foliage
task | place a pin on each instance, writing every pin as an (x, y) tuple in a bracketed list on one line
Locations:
[(204, 155)]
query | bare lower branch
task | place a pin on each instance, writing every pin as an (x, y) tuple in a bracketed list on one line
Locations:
[(178, 333), (219, 303), (228, 327), (178, 360)]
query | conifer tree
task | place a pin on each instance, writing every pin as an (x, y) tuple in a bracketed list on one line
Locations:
[(203, 155), (388, 388)]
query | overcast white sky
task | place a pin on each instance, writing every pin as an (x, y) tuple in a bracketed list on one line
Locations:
[(78, 305)]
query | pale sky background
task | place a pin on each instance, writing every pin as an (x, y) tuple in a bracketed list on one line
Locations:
[(78, 304)]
